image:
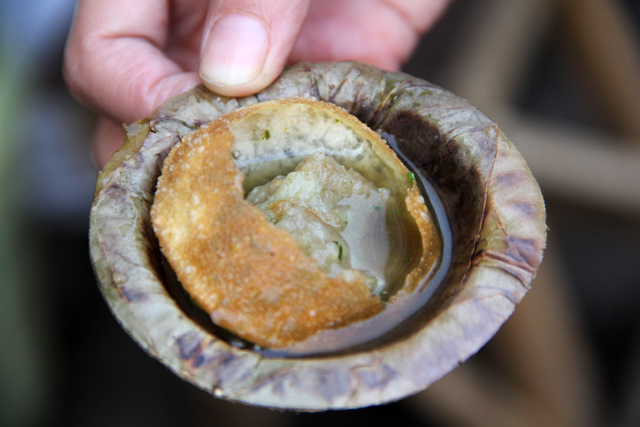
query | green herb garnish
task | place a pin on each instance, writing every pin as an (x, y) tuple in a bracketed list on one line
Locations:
[(266, 135), (412, 178), (378, 208), (339, 250)]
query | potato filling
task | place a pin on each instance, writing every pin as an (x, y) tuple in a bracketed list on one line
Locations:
[(336, 215)]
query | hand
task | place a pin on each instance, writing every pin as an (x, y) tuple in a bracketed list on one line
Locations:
[(124, 58)]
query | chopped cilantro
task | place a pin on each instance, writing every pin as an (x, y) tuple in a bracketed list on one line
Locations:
[(378, 208), (266, 135), (339, 250), (412, 178)]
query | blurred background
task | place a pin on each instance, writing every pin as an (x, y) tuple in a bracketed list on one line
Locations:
[(561, 77)]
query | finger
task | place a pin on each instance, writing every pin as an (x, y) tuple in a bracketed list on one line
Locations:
[(420, 14), (114, 59), (379, 32), (108, 136), (248, 42)]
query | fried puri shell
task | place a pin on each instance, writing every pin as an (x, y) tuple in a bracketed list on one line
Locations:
[(249, 275)]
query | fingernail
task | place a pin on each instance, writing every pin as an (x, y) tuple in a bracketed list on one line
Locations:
[(235, 51)]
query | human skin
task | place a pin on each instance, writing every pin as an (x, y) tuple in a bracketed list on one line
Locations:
[(124, 58)]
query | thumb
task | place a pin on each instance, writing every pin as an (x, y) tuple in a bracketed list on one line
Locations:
[(246, 43)]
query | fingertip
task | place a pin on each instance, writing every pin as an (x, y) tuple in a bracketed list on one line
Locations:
[(246, 48), (234, 52)]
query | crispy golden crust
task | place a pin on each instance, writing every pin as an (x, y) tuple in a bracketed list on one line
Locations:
[(249, 275), (431, 243)]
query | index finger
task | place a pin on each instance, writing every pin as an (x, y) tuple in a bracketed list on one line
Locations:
[(115, 61)]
